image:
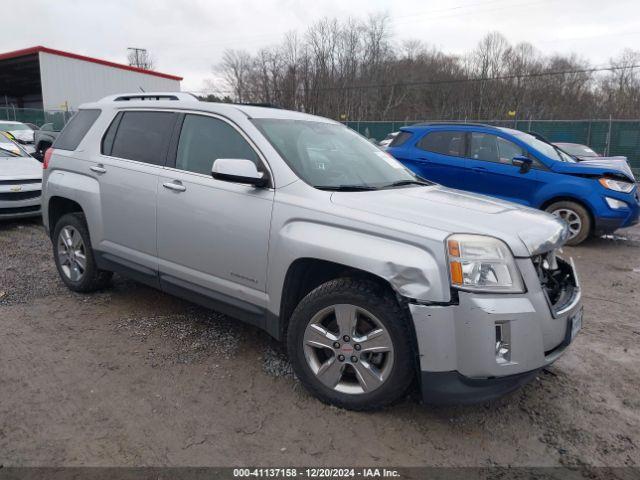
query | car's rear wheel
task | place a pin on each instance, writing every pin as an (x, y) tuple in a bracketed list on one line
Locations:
[(576, 217), (350, 345), (74, 256)]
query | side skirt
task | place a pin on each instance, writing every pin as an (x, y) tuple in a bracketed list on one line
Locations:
[(239, 309)]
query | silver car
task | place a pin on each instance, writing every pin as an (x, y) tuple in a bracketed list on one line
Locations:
[(375, 279), (20, 181)]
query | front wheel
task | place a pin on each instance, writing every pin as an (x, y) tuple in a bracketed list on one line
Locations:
[(576, 217), (350, 345)]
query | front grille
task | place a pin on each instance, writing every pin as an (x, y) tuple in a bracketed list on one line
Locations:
[(15, 196), (557, 279), (21, 182), (7, 211)]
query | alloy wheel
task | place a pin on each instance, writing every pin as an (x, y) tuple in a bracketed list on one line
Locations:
[(71, 253), (348, 349), (571, 218)]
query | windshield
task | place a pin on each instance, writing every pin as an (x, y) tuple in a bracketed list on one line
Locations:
[(327, 155), (12, 127), (8, 148), (577, 150), (548, 150)]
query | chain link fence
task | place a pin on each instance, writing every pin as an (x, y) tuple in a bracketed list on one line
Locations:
[(607, 137), (36, 117)]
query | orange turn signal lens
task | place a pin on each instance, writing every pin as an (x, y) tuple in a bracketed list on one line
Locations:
[(454, 248), (456, 273)]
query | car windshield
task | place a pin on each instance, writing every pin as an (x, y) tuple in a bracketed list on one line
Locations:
[(332, 156), (8, 148), (12, 127), (577, 150), (548, 150)]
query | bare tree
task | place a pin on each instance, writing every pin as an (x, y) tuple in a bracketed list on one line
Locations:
[(236, 70), (140, 58), (352, 70)]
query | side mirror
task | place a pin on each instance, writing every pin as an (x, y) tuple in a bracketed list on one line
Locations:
[(524, 163), (238, 170)]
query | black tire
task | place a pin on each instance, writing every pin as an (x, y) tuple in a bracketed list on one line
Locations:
[(379, 302), (581, 212), (93, 278)]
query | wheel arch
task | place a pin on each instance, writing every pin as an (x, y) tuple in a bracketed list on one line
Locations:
[(306, 273), (60, 206), (568, 198), (65, 192)]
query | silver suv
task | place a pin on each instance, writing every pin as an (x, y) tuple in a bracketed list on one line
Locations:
[(376, 279)]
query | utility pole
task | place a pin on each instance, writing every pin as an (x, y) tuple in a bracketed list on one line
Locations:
[(137, 52)]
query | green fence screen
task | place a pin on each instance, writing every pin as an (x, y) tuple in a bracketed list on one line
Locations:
[(37, 117), (607, 137)]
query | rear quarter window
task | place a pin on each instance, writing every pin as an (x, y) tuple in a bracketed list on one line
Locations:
[(74, 131), (400, 139)]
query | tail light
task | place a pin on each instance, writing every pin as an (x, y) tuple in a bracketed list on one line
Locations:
[(47, 157)]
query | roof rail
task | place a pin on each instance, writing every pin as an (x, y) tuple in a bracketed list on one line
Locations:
[(457, 124), (256, 104), (124, 97)]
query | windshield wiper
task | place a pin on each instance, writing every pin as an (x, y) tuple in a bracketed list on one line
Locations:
[(402, 183), (346, 188), (11, 152)]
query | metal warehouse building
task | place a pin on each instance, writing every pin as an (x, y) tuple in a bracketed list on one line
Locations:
[(44, 78)]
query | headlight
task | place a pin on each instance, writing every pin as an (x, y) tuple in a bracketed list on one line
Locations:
[(481, 263), (616, 185)]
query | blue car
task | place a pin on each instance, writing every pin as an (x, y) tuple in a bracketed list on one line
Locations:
[(593, 197)]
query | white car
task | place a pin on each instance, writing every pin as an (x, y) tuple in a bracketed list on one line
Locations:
[(21, 133), (20, 181), (386, 141)]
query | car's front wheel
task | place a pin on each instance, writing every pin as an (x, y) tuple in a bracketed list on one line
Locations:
[(576, 217), (350, 345)]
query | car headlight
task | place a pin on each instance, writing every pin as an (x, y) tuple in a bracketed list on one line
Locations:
[(616, 185), (481, 263)]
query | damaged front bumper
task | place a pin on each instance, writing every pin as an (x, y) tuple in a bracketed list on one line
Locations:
[(487, 345)]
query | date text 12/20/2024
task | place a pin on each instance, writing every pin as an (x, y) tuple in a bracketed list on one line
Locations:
[(315, 473)]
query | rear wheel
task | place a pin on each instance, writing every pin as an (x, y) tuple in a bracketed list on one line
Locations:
[(74, 256), (349, 343), (576, 217)]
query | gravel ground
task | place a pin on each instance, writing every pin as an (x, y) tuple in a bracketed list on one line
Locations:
[(131, 376)]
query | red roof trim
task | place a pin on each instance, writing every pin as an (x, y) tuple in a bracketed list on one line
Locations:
[(39, 48)]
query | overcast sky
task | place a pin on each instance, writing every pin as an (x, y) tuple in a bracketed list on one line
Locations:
[(187, 38)]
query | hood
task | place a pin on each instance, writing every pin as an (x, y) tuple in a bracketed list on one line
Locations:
[(617, 163), (527, 231), (597, 166), (19, 168), (23, 135)]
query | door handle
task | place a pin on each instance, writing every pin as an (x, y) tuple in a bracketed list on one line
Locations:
[(98, 168), (175, 186), (479, 169)]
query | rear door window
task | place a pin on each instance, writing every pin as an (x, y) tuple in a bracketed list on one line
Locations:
[(483, 146), (74, 131), (142, 136), (444, 143)]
